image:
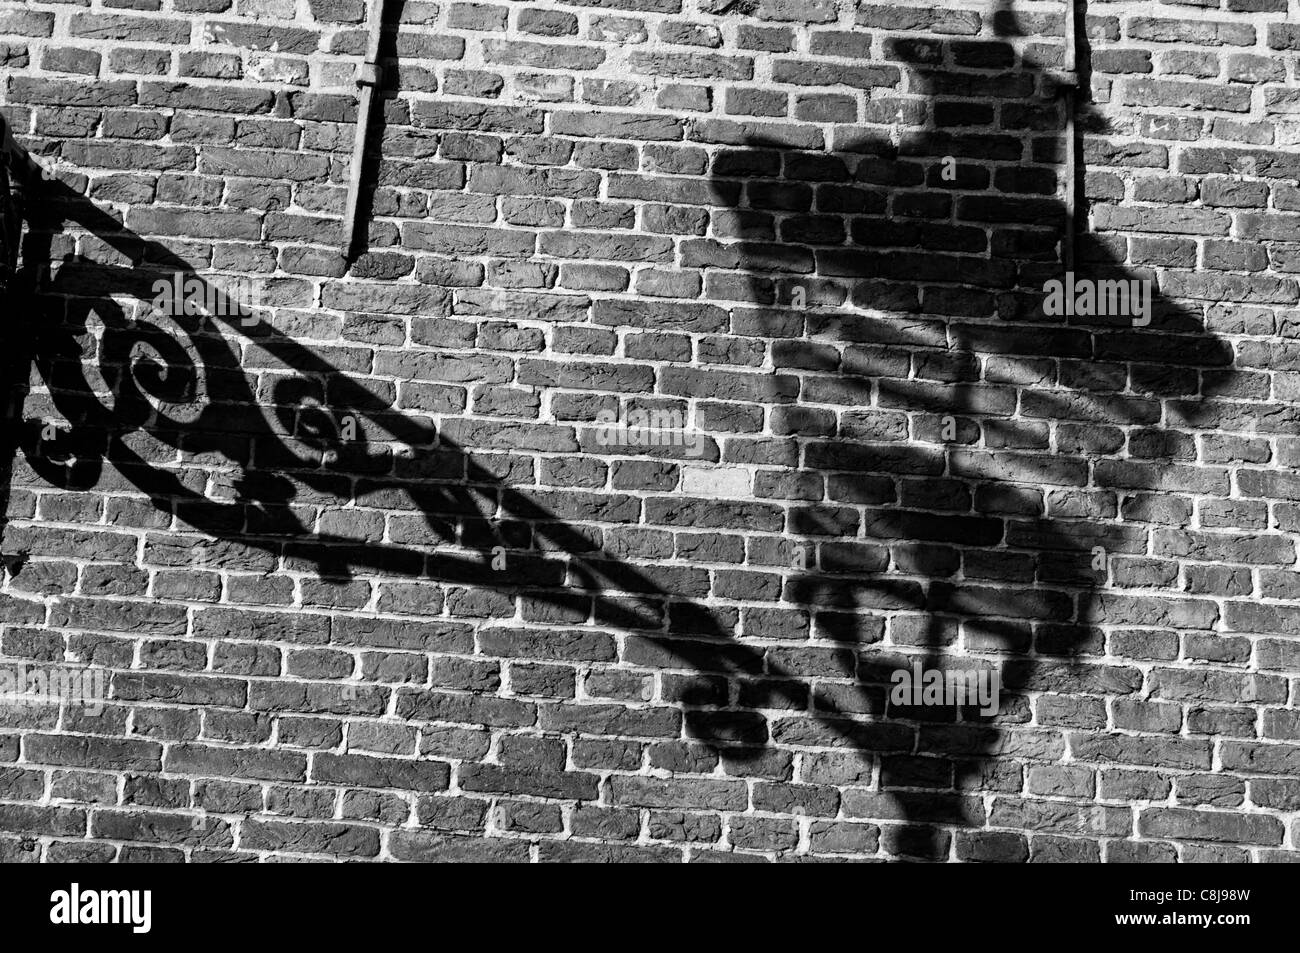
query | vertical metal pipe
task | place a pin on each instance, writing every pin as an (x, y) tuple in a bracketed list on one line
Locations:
[(1071, 89), (10, 224), (368, 80), (20, 175)]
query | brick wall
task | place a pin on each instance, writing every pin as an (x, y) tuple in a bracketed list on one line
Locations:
[(371, 573)]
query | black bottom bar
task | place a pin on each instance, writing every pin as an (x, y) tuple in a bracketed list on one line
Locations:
[(273, 904)]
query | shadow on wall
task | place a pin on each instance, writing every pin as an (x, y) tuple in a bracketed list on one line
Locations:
[(234, 427), (953, 456)]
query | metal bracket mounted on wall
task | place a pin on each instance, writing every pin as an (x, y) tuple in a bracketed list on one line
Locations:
[(18, 159), (368, 80), (19, 176)]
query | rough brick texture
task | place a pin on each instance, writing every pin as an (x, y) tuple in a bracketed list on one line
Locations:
[(369, 582)]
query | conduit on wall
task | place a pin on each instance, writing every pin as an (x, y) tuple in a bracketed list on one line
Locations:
[(1068, 82), (368, 80)]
